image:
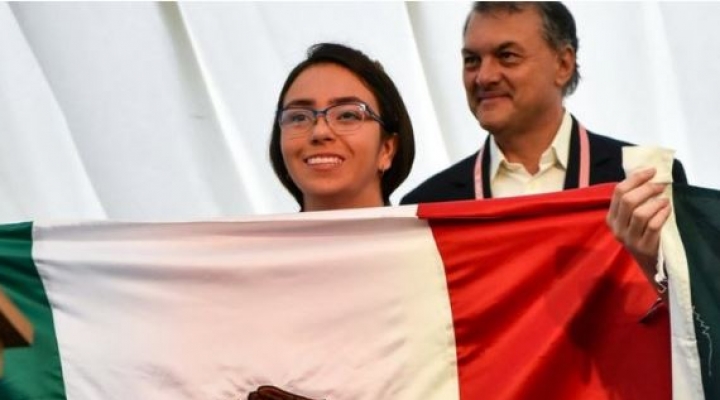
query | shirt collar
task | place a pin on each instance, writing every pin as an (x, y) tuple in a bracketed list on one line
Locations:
[(559, 148)]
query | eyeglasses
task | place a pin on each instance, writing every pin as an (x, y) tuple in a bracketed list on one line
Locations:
[(342, 118)]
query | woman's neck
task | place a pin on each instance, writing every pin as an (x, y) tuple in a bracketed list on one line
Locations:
[(335, 202)]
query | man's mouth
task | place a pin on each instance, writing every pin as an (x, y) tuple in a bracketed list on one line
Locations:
[(489, 96)]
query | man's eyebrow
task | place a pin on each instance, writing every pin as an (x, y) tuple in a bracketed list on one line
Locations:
[(506, 45), (502, 46)]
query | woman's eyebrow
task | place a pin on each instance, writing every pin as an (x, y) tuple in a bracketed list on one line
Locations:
[(300, 103), (311, 103), (346, 99)]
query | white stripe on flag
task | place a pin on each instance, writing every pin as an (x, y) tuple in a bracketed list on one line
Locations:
[(687, 377), (355, 306)]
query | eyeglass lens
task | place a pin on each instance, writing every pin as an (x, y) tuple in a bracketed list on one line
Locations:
[(341, 118)]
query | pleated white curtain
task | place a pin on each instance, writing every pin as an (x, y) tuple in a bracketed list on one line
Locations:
[(162, 111)]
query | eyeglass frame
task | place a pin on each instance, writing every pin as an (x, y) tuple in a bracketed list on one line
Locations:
[(317, 113)]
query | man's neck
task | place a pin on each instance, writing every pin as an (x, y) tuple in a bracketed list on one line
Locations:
[(526, 146)]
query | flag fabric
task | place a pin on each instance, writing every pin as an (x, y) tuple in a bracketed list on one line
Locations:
[(691, 245), (523, 298)]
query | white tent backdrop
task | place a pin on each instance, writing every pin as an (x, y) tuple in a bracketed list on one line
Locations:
[(162, 111)]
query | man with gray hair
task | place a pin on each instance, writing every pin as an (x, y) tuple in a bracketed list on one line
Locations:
[(519, 63)]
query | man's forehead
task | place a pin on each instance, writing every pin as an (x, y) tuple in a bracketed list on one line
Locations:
[(502, 27), (504, 8)]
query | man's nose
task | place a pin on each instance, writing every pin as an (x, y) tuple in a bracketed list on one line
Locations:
[(488, 72)]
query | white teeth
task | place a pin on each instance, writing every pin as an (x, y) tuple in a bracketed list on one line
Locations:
[(323, 160)]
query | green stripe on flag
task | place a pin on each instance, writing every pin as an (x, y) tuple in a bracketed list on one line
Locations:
[(698, 220), (30, 372)]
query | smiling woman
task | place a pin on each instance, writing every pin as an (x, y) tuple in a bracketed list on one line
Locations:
[(342, 137)]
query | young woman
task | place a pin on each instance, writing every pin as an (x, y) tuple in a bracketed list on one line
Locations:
[(342, 137)]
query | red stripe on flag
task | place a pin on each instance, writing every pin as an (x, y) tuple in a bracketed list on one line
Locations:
[(546, 303)]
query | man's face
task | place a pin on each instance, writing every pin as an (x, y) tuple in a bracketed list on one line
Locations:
[(513, 78)]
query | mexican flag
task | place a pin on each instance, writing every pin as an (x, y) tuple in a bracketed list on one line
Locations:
[(523, 298)]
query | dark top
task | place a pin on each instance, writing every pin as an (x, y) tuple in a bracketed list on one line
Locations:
[(457, 182)]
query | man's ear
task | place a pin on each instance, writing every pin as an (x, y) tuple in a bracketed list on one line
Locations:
[(566, 64)]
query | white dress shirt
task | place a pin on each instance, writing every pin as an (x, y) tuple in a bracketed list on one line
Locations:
[(508, 179)]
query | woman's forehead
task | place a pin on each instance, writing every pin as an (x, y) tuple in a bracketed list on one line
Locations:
[(326, 84)]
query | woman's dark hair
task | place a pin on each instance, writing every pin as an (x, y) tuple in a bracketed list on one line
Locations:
[(393, 113)]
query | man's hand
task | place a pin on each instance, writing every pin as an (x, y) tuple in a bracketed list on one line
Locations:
[(273, 393), (636, 217)]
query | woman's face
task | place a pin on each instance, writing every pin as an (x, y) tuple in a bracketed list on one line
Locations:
[(335, 169)]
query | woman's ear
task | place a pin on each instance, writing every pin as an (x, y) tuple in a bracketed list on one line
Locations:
[(388, 149)]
